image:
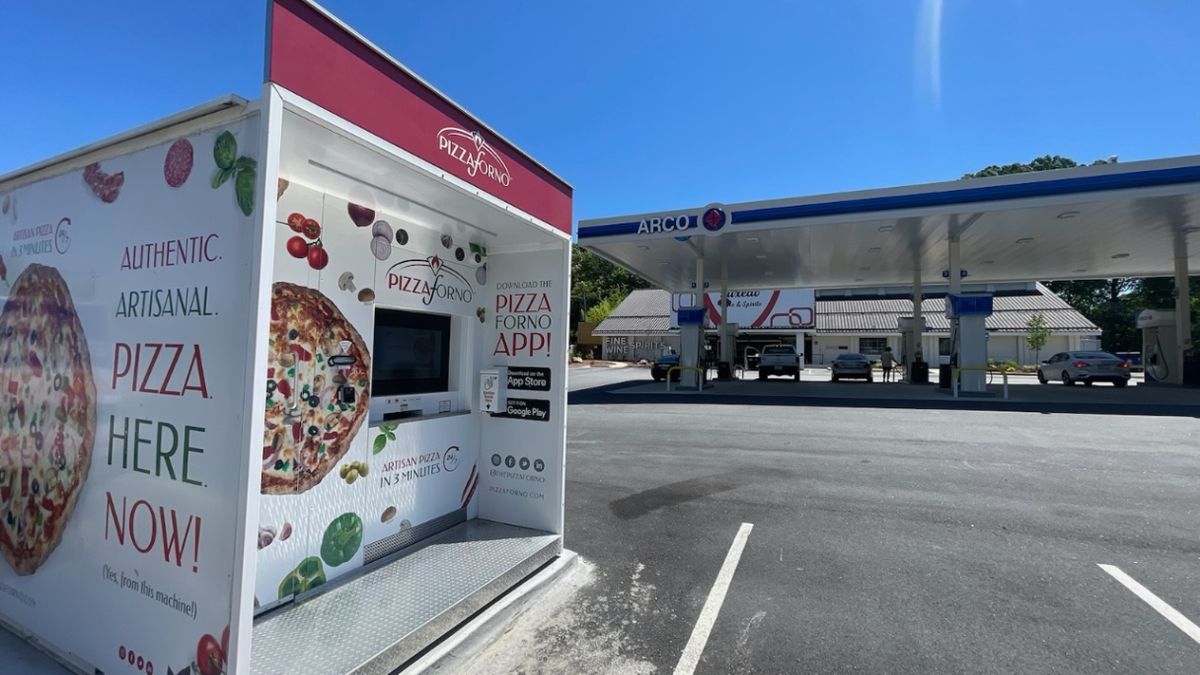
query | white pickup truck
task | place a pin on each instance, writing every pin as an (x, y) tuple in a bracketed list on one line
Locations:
[(779, 360)]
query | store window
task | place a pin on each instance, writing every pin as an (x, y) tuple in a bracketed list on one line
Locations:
[(944, 346), (872, 345)]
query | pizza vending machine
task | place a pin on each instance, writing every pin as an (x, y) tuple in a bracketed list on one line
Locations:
[(240, 355)]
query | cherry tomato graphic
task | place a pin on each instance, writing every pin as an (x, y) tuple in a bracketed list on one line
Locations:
[(317, 258), (295, 221), (225, 643), (311, 228), (209, 659), (297, 247)]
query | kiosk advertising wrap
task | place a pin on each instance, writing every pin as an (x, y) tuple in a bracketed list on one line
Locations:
[(240, 359), (342, 488), (121, 387), (521, 447)]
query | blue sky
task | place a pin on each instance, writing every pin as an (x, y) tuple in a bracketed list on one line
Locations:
[(654, 105)]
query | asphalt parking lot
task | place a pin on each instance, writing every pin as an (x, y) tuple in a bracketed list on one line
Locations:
[(882, 540)]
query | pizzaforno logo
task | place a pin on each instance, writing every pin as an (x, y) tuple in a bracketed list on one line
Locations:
[(430, 278), (473, 151)]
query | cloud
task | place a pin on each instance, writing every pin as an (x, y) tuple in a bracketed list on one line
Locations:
[(928, 51)]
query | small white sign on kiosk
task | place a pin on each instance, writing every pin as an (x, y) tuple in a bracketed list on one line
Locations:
[(493, 390)]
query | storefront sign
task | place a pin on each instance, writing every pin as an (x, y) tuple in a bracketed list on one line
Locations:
[(621, 347), (471, 150), (317, 58), (764, 309), (659, 224)]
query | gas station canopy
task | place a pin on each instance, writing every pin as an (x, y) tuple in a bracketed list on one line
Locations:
[(1111, 220)]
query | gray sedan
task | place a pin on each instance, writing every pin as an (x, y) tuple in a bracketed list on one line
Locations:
[(1085, 367), (850, 364)]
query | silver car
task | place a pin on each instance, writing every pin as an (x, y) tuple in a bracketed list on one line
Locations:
[(1085, 367), (850, 364)]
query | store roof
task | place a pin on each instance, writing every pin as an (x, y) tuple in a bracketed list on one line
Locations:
[(648, 312)]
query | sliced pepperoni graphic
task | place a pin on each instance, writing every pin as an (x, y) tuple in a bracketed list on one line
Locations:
[(105, 186), (178, 164)]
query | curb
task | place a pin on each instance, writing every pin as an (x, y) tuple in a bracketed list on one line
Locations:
[(604, 395), (457, 647)]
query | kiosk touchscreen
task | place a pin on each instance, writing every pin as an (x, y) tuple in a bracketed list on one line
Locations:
[(411, 374)]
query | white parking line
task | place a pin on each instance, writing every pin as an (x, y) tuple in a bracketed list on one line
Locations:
[(712, 606), (1181, 622)]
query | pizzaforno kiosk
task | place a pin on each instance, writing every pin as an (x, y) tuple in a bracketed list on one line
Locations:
[(258, 348)]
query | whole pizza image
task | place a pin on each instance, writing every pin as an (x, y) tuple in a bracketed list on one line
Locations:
[(244, 357)]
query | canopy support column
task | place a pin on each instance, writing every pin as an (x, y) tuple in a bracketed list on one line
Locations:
[(1183, 299), (691, 337), (725, 337), (912, 347), (969, 331), (955, 267)]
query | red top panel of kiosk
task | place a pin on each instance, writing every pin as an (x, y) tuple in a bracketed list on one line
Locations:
[(315, 57)]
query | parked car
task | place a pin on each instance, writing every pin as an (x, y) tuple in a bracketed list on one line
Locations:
[(852, 364), (779, 360), (1085, 367), (658, 370)]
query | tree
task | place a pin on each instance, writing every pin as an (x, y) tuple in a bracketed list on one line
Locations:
[(1043, 163), (595, 280), (1111, 304), (1036, 335), (598, 312), (1108, 303), (1159, 293)]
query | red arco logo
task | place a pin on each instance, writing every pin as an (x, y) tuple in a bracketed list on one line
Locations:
[(474, 152)]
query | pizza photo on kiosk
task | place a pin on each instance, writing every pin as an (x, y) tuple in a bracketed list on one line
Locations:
[(318, 370), (47, 416)]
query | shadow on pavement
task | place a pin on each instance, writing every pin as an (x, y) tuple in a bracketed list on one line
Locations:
[(671, 494)]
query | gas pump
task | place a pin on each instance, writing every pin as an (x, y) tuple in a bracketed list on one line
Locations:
[(968, 335), (747, 354), (691, 346), (728, 340), (1159, 349), (911, 329)]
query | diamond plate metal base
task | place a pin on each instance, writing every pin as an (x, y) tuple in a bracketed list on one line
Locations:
[(376, 622)]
